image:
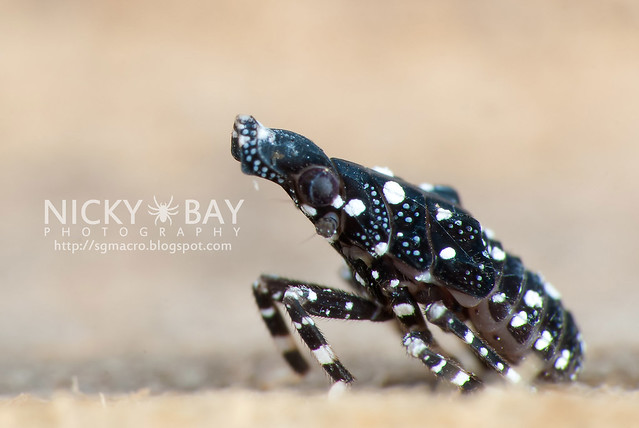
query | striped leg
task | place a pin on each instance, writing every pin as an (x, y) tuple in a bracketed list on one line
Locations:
[(407, 311), (314, 339), (439, 315), (301, 302), (418, 345), (420, 342), (277, 327)]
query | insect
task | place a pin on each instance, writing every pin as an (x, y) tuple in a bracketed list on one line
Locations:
[(416, 257), (163, 211)]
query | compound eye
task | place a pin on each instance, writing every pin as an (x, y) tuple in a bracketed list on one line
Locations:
[(318, 186)]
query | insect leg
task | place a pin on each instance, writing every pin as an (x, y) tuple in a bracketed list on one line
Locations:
[(417, 344), (265, 299), (314, 339), (302, 301), (445, 319), (420, 342)]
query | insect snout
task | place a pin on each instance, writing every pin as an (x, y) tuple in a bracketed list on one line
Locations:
[(244, 130)]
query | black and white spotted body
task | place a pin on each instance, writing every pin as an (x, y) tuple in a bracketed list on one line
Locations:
[(413, 251)]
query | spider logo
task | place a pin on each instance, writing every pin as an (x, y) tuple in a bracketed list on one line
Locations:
[(163, 211)]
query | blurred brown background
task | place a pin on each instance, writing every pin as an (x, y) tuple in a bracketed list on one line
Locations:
[(529, 110)]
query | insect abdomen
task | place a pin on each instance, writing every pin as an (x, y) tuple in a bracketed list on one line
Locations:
[(524, 313)]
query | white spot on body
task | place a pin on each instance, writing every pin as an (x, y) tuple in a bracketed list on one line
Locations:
[(324, 355), (307, 321), (394, 282), (381, 248), (293, 293), (427, 187), (393, 192), (544, 341), (500, 367), (268, 312), (263, 133), (562, 361), (348, 306), (436, 311), (469, 337), (383, 170), (403, 309), (512, 376), (360, 279), (415, 347), (499, 298), (354, 207), (312, 296), (447, 253), (533, 299), (483, 351), (460, 378), (497, 253), (308, 210), (438, 368), (337, 202), (443, 214), (242, 140), (424, 277), (375, 274), (519, 319)]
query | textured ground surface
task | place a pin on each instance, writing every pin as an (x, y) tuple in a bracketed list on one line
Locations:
[(530, 111)]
